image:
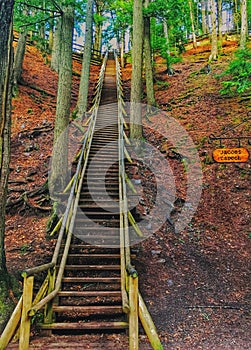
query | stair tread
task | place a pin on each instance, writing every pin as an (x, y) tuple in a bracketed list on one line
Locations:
[(85, 325), (95, 256), (94, 293), (91, 279), (92, 267), (92, 309)]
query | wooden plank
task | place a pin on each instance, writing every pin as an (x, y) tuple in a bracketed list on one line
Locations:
[(95, 256), (89, 309), (89, 293), (85, 325), (92, 267), (91, 280)]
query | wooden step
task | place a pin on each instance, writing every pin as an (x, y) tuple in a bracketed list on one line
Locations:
[(105, 280), (111, 208), (92, 267), (95, 256), (106, 215), (84, 222), (87, 310), (94, 230), (99, 293), (84, 325)]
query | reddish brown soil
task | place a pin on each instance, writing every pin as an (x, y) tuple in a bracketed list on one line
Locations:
[(196, 283)]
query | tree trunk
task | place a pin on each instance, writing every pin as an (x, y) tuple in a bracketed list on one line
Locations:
[(236, 16), (136, 89), (55, 56), (98, 37), (148, 61), (122, 49), (192, 24), (51, 23), (82, 103), (98, 26), (168, 52), (6, 70), (204, 17), (243, 37), (220, 22), (59, 167), (214, 43), (19, 57)]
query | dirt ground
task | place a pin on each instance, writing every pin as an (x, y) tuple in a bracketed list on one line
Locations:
[(196, 282)]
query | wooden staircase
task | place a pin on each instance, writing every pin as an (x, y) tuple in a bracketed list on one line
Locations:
[(90, 297)]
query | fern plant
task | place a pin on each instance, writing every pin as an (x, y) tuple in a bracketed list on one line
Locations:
[(239, 73)]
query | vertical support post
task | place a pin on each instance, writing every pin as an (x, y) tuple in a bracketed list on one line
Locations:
[(48, 312), (25, 319), (133, 315)]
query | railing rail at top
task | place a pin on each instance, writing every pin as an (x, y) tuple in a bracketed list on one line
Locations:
[(27, 306)]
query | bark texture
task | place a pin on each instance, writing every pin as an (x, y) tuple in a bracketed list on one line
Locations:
[(19, 57), (85, 73), (136, 89), (214, 39), (244, 25), (6, 70), (148, 63), (59, 168)]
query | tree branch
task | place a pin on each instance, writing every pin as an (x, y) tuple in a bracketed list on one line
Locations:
[(42, 20), (57, 6), (37, 7)]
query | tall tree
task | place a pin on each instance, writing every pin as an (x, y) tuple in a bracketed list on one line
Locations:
[(136, 89), (6, 68), (214, 36), (204, 16), (19, 56), (85, 73), (192, 23), (148, 60), (244, 25), (220, 21), (98, 19), (59, 167), (55, 56)]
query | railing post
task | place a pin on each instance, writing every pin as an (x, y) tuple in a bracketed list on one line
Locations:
[(48, 312), (25, 319), (134, 313)]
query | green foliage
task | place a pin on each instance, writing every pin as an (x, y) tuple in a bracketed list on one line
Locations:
[(238, 73)]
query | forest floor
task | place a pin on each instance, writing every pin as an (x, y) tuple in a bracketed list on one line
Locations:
[(196, 282)]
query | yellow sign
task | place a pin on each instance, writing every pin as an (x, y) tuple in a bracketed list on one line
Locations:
[(231, 155)]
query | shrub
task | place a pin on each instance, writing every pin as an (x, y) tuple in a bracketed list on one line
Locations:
[(239, 73)]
